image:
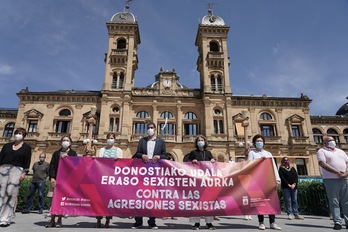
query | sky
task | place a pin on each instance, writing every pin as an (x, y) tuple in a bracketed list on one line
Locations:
[(281, 48)]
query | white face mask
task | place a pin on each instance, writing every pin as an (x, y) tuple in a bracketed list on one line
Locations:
[(65, 144), (331, 144), (110, 141), (18, 137), (151, 131)]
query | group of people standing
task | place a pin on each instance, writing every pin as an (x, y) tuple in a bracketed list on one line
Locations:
[(15, 158)]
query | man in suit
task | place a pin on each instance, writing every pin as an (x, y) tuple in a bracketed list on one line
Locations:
[(150, 148)]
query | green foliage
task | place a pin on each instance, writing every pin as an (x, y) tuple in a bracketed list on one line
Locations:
[(311, 198), (23, 194)]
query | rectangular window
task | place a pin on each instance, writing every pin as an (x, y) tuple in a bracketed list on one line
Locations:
[(212, 83), (221, 126), (117, 124), (190, 129), (267, 130), (169, 129), (318, 139), (295, 130), (62, 126), (114, 82), (111, 124), (216, 127), (140, 128), (301, 167), (32, 126)]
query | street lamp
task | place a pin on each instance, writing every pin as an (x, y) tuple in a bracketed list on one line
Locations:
[(245, 125), (90, 143)]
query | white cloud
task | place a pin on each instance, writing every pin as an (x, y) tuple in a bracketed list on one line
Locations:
[(6, 69)]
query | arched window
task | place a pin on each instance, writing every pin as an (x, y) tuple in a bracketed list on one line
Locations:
[(317, 136), (63, 124), (121, 44), (139, 124), (117, 81), (65, 112), (191, 124), (218, 121), (267, 125), (214, 46), (333, 133), (114, 123), (345, 134), (167, 124), (9, 128), (216, 82)]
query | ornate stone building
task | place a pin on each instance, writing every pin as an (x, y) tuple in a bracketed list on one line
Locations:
[(180, 113)]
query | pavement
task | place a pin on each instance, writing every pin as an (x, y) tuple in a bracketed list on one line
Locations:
[(35, 222)]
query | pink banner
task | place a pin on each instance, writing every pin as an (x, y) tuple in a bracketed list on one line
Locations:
[(129, 187)]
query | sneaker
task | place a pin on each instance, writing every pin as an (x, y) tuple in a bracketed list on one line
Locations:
[(298, 217), (136, 226), (246, 217), (337, 227), (250, 218), (210, 226), (153, 227), (26, 211), (196, 226), (289, 217), (262, 226), (274, 226)]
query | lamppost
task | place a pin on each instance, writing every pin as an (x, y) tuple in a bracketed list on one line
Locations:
[(245, 125), (90, 143)]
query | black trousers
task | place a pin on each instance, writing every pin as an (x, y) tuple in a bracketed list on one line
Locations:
[(151, 221), (271, 218)]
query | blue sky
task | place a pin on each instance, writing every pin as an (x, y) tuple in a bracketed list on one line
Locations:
[(280, 48)]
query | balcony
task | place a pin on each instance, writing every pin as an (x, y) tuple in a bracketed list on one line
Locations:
[(298, 140)]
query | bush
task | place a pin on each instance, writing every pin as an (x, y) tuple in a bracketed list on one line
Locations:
[(311, 198), (23, 194)]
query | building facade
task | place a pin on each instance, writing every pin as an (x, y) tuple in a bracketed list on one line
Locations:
[(229, 122)]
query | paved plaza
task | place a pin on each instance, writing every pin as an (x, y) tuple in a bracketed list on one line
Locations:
[(35, 222)]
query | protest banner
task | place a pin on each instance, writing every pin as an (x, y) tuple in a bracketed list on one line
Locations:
[(129, 187)]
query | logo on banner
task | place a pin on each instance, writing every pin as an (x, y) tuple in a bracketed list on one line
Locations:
[(245, 200)]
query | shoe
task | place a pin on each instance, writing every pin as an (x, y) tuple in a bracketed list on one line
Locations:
[(210, 226), (98, 225), (40, 211), (289, 217), (58, 224), (262, 226), (4, 225), (299, 217), (250, 218), (196, 226), (274, 226), (337, 227), (136, 226), (50, 224), (107, 223), (26, 211), (174, 218), (153, 227), (246, 217), (216, 218), (165, 218)]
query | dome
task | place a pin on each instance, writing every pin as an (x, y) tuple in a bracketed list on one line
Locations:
[(123, 17), (212, 20), (343, 110)]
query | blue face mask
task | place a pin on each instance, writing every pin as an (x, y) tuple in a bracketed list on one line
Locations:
[(200, 143), (259, 145)]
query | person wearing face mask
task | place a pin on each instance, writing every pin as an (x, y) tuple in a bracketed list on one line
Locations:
[(15, 158), (110, 151), (150, 148), (334, 167), (40, 174), (289, 180), (201, 154), (64, 151), (257, 153)]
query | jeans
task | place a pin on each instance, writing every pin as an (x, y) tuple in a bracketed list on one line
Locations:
[(40, 186), (337, 194), (290, 199)]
